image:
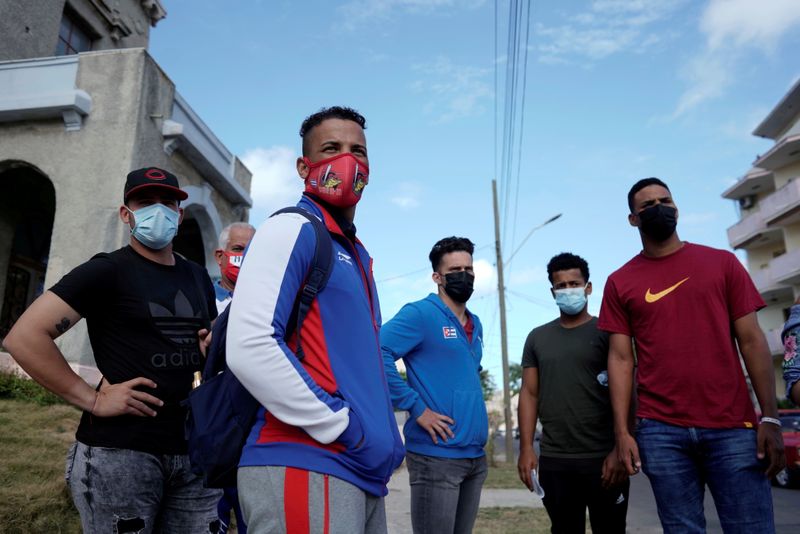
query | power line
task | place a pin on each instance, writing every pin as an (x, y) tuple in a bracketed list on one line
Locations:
[(513, 113), (533, 300), (421, 269), (521, 124)]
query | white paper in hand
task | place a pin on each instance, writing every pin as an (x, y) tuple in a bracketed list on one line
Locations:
[(537, 488)]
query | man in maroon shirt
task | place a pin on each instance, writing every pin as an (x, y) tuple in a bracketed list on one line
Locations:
[(686, 307)]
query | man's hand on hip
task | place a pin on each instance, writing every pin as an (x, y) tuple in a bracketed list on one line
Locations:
[(121, 399), (436, 423)]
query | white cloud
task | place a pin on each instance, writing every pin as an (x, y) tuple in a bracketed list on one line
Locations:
[(453, 91), (733, 28), (275, 181), (485, 278), (610, 27), (748, 23), (708, 76), (405, 202), (408, 195)]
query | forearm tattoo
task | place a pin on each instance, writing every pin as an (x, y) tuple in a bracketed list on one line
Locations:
[(62, 326)]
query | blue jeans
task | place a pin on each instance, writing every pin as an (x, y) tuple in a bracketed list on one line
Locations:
[(445, 492), (120, 490), (680, 461)]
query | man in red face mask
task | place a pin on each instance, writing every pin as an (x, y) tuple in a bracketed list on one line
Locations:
[(325, 440), (233, 240)]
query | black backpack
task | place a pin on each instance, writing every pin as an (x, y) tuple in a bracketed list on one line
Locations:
[(221, 412)]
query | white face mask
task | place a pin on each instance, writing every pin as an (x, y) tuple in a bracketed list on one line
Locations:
[(155, 225), (571, 300)]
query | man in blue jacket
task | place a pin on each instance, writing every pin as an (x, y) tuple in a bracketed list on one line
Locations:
[(325, 441), (440, 343)]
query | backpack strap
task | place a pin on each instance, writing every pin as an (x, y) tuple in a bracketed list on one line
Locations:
[(318, 274), (201, 292), (216, 355)]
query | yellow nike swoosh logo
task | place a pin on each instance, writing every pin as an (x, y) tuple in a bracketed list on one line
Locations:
[(652, 297)]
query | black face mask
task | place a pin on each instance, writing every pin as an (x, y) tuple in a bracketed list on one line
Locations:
[(658, 222), (458, 285)]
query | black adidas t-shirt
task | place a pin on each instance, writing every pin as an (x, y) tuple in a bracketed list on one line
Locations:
[(143, 319)]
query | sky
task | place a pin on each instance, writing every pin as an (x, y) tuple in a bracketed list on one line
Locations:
[(615, 91)]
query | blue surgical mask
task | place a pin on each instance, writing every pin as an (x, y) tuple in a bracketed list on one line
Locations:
[(155, 226), (571, 300)]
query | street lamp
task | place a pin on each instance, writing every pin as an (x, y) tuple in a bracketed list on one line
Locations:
[(503, 333)]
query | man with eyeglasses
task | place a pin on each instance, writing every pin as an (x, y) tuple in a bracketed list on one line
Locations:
[(565, 385), (440, 343)]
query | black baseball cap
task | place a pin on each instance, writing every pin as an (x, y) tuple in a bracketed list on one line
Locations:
[(153, 177)]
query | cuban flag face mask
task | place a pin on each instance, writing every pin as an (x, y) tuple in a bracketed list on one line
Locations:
[(338, 180)]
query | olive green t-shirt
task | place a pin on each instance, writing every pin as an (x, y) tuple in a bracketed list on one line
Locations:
[(574, 405)]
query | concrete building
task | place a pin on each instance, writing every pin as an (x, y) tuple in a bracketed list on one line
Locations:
[(81, 104), (768, 200)]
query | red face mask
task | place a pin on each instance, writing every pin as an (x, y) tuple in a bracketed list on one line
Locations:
[(232, 266), (339, 180)]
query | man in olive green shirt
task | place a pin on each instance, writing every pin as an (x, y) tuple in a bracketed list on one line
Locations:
[(565, 383)]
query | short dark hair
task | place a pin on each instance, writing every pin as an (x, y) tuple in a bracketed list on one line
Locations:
[(447, 245), (566, 261), (333, 112), (641, 184)]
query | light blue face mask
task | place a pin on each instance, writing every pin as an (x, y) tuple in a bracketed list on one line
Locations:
[(571, 300), (155, 226)]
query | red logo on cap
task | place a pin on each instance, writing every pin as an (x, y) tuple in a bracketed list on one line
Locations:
[(155, 174)]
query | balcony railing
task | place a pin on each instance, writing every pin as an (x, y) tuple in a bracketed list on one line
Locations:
[(747, 229), (782, 202), (186, 132), (785, 152), (755, 181), (43, 88), (771, 290), (785, 269)]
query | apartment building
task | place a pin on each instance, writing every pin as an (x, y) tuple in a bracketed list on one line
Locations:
[(768, 200), (82, 103)]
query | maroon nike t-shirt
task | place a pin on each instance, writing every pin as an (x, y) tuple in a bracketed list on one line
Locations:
[(680, 311)]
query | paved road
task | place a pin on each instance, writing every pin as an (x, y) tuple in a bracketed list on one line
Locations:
[(642, 514), (643, 517)]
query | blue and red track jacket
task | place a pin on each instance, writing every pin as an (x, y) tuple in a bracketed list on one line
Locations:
[(329, 413)]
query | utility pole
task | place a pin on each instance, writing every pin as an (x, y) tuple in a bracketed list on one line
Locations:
[(501, 291)]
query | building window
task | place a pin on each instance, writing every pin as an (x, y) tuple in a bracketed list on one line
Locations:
[(72, 37)]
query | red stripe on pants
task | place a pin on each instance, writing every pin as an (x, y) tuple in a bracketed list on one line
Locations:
[(295, 501)]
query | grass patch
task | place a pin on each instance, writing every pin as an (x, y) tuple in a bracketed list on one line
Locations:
[(16, 387), (512, 521), (33, 495), (503, 476)]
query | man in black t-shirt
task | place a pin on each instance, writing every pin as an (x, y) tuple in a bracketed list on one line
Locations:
[(565, 383), (145, 309)]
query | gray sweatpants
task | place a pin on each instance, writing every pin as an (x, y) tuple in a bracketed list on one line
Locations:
[(287, 500)]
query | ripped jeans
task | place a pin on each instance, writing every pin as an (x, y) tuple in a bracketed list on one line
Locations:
[(121, 490)]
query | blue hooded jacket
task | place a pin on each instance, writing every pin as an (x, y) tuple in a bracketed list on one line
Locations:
[(443, 369)]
